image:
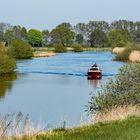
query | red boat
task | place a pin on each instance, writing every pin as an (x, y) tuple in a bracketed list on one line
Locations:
[(94, 73)]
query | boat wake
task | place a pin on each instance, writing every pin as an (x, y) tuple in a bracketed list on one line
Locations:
[(69, 74)]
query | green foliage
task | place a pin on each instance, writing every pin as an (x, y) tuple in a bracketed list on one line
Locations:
[(78, 48), (60, 48), (125, 28), (119, 38), (8, 36), (24, 33), (124, 90), (62, 34), (46, 36), (34, 37), (20, 50), (98, 38), (7, 64), (95, 25), (119, 130), (79, 39), (136, 47)]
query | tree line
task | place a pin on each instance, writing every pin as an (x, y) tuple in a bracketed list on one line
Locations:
[(94, 34)]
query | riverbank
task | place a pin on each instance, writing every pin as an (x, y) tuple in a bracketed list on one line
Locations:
[(130, 54), (48, 52), (43, 54), (114, 130), (70, 49), (128, 129)]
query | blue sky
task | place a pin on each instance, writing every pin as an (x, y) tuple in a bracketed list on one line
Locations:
[(46, 14)]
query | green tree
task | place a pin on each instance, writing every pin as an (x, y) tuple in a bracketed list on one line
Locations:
[(34, 37), (98, 38), (46, 36), (17, 32), (101, 25), (8, 36), (81, 28), (79, 39), (3, 28), (23, 33), (118, 38), (20, 50), (136, 36), (65, 24), (62, 35), (123, 25), (7, 63)]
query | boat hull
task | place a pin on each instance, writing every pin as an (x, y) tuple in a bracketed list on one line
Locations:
[(94, 75)]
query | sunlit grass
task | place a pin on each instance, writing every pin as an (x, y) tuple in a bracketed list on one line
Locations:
[(119, 130), (127, 129)]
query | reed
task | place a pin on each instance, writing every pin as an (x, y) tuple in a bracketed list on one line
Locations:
[(17, 127), (118, 50), (134, 56), (117, 113)]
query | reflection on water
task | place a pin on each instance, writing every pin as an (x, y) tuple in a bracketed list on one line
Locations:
[(94, 84), (6, 83)]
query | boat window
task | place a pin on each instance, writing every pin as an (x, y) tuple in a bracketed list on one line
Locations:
[(94, 69)]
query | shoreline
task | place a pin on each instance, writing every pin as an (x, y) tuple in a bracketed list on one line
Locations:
[(43, 54), (128, 127)]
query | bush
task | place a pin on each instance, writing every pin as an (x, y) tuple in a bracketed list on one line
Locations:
[(124, 56), (121, 92), (60, 49), (7, 64), (20, 50), (78, 48), (136, 47)]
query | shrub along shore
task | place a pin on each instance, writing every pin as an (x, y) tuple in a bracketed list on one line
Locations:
[(129, 53)]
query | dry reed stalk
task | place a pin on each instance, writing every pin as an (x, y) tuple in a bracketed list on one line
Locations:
[(12, 125), (117, 113), (134, 56), (44, 54), (118, 50)]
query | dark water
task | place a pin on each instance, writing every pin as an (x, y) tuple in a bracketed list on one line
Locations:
[(56, 88)]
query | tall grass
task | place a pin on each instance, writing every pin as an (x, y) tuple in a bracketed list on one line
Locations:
[(16, 126), (124, 55), (134, 56), (117, 113)]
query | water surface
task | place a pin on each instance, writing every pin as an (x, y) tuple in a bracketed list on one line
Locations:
[(56, 88)]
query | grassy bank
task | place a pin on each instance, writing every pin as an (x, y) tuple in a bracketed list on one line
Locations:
[(116, 130), (119, 130)]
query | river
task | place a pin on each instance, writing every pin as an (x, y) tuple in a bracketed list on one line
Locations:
[(55, 89)]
